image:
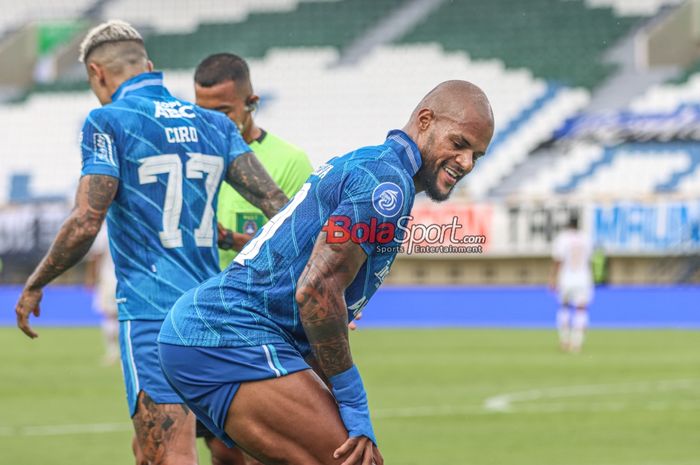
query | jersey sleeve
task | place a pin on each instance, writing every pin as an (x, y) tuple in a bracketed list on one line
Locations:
[(373, 199), (98, 145), (236, 145)]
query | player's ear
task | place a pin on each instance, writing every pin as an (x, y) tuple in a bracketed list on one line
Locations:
[(96, 70), (149, 66), (425, 118), (251, 103)]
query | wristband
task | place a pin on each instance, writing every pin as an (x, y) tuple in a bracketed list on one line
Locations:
[(352, 403), (226, 241)]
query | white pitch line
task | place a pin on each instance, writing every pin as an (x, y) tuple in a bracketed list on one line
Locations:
[(387, 413), (561, 407), (503, 402)]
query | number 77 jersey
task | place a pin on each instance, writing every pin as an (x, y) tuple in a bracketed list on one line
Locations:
[(170, 157)]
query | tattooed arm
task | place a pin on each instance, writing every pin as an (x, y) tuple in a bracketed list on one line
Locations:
[(252, 181), (95, 194), (321, 298)]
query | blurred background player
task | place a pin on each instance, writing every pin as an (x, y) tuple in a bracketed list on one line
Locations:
[(222, 83), (236, 347), (572, 279), (101, 277), (156, 164)]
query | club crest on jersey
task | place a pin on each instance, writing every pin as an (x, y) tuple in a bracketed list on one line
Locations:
[(103, 149), (387, 199)]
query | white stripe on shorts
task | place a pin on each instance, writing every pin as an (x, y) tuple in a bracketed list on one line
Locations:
[(134, 373), (269, 361)]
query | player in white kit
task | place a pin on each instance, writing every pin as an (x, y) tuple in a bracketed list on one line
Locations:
[(572, 278)]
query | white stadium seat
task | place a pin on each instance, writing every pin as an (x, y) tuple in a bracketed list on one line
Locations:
[(185, 15)]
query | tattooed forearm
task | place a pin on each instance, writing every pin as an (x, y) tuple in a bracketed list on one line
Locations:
[(95, 193), (252, 181), (321, 299)]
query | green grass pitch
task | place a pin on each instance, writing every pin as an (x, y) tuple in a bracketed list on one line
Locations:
[(463, 397)]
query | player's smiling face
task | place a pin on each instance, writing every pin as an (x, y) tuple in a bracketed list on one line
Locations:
[(450, 151)]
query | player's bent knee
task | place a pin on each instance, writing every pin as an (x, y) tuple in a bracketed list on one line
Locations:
[(222, 455)]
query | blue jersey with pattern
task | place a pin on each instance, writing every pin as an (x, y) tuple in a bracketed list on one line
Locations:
[(170, 157), (364, 194)]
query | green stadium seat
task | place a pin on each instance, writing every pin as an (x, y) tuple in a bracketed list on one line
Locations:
[(334, 24), (559, 41)]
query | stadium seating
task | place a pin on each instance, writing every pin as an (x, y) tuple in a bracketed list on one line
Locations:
[(294, 45), (575, 160), (558, 40), (314, 24), (324, 109), (185, 16), (15, 14), (349, 106), (586, 169), (651, 167), (668, 97), (41, 139), (633, 7)]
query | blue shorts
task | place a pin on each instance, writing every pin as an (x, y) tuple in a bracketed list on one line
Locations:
[(207, 378), (140, 364)]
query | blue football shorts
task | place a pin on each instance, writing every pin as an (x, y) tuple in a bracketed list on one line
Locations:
[(207, 378), (140, 363)]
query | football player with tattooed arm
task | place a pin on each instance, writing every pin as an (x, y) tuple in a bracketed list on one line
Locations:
[(238, 348), (152, 166)]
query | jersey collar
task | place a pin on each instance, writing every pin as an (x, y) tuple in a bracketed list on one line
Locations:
[(142, 84), (406, 149)]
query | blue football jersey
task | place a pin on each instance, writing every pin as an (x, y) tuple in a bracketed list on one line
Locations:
[(170, 157), (364, 196)]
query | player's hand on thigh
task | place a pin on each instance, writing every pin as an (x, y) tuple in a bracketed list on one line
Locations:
[(359, 451)]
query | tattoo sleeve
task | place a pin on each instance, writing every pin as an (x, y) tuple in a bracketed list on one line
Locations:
[(252, 181), (78, 232), (321, 299)]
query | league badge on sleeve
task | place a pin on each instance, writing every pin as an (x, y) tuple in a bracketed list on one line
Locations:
[(387, 199), (103, 148)]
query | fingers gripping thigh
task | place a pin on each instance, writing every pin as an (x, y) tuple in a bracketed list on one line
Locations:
[(165, 432), (288, 420)]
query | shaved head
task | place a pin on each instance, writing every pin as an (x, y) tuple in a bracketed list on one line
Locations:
[(120, 57), (455, 99), (452, 126)]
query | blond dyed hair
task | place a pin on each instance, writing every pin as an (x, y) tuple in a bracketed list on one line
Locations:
[(111, 32)]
